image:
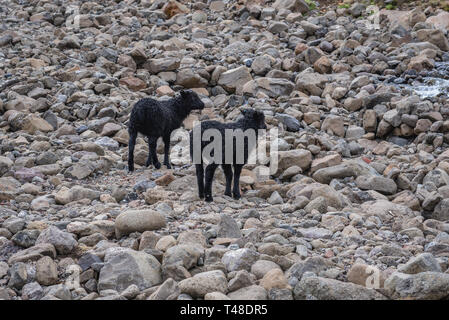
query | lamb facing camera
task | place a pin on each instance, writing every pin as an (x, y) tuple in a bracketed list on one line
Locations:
[(234, 139)]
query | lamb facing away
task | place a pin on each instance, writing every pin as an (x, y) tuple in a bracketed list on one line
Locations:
[(251, 119), (156, 119)]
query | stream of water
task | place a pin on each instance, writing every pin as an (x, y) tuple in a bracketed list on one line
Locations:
[(434, 84)]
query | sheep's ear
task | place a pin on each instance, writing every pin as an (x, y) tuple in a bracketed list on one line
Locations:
[(184, 93)]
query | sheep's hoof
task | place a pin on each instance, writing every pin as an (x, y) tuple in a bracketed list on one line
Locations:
[(228, 194), (130, 168), (209, 198), (236, 196), (167, 165), (157, 165), (201, 195)]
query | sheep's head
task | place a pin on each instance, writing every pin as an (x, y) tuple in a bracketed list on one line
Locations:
[(192, 100), (256, 118)]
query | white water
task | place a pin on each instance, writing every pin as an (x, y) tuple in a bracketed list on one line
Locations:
[(432, 86)]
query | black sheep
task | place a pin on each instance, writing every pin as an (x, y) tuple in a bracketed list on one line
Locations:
[(156, 119), (251, 119)]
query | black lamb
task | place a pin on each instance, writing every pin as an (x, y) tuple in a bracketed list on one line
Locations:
[(155, 119), (251, 119)]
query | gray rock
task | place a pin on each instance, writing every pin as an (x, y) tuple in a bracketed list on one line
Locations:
[(313, 264), (18, 275), (378, 183), (138, 220), (169, 290), (5, 165), (63, 242), (58, 291), (441, 211), (46, 271), (127, 267), (184, 255), (241, 279), (272, 87), (240, 259), (228, 228), (14, 224), (318, 288), (25, 238), (205, 282), (421, 263), (253, 292), (32, 291), (3, 269), (292, 5), (421, 286)]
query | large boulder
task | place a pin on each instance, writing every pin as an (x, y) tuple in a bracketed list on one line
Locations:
[(318, 288), (240, 259), (292, 5), (434, 36), (125, 267), (33, 123), (66, 195), (138, 221), (421, 263), (205, 282), (272, 87), (377, 183), (63, 242), (422, 286), (233, 80), (439, 21), (297, 157)]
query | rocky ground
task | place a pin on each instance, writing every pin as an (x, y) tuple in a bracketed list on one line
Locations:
[(358, 208)]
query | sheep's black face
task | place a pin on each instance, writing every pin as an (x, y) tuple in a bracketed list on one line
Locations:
[(256, 118), (192, 99)]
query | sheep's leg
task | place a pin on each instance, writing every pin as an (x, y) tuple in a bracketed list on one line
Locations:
[(200, 179), (236, 190), (152, 154), (210, 170), (166, 151), (228, 174), (131, 145)]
